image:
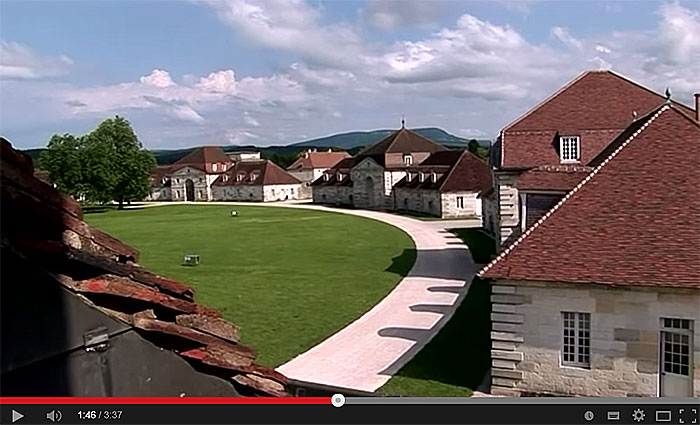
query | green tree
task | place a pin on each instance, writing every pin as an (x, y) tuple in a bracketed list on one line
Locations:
[(63, 159), (127, 163), (473, 146)]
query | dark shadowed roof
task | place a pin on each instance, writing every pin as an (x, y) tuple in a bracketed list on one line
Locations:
[(255, 173), (203, 158), (634, 220), (402, 141), (46, 229)]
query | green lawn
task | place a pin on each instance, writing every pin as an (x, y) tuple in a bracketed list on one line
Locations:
[(456, 360), (289, 277)]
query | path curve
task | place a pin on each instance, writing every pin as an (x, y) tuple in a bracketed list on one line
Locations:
[(367, 352)]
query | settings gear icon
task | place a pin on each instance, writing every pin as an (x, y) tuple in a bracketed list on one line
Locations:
[(638, 415)]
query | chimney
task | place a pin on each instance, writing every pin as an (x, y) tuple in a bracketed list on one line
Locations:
[(697, 106)]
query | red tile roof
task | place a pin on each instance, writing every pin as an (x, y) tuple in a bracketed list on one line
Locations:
[(44, 229), (203, 158), (266, 172), (402, 141), (552, 177), (318, 160), (596, 106), (634, 220), (457, 171)]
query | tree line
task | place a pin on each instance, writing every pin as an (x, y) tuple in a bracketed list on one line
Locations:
[(108, 164)]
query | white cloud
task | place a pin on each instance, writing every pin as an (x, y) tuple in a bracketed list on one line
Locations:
[(250, 120), (157, 78), (563, 35), (393, 14), (21, 62), (679, 35), (292, 26), (219, 82)]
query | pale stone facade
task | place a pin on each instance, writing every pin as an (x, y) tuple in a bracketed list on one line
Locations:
[(625, 331), (194, 178), (369, 189), (336, 195), (258, 193)]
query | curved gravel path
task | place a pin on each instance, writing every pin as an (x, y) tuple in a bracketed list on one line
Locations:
[(366, 353)]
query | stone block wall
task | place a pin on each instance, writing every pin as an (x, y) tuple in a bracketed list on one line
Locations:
[(237, 193), (508, 208), (527, 336), (159, 194), (362, 173), (282, 192), (472, 205), (418, 200), (334, 195)]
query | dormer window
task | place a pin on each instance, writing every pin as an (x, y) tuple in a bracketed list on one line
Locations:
[(254, 175), (225, 177), (214, 166), (326, 177), (339, 176), (407, 159), (223, 167), (570, 148), (409, 177), (421, 177), (433, 177), (240, 177)]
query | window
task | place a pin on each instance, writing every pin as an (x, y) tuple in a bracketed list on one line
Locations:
[(214, 166), (223, 167), (177, 194), (409, 177), (577, 339), (433, 177), (460, 202), (339, 177), (225, 177), (675, 351), (569, 148), (254, 176), (326, 177), (421, 177), (407, 159), (240, 177)]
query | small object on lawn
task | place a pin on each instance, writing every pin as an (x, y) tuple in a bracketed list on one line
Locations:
[(234, 213), (190, 260)]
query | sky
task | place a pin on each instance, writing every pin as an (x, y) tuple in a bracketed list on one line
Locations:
[(240, 72)]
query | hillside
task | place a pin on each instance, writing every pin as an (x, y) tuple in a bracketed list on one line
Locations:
[(366, 138)]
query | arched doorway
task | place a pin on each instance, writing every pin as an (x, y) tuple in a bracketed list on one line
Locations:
[(189, 190), (369, 192)]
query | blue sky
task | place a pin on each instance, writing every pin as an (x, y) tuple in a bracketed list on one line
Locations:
[(274, 72)]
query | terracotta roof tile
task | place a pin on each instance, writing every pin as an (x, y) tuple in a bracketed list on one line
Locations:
[(555, 178), (203, 158), (402, 141), (44, 228), (265, 172), (634, 220), (318, 160), (597, 105)]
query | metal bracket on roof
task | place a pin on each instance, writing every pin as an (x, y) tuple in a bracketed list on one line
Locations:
[(96, 339)]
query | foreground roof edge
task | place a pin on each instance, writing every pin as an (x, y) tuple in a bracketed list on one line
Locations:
[(484, 271)]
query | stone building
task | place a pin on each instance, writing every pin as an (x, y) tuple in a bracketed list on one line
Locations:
[(311, 166), (542, 155), (446, 185), (601, 296), (261, 181), (190, 178)]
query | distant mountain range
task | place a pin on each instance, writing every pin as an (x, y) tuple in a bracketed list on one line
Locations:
[(353, 142), (366, 138)]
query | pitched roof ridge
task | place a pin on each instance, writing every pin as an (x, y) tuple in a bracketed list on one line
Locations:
[(547, 99), (452, 170), (573, 191)]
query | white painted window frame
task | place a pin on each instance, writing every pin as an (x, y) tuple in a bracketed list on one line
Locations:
[(460, 202), (576, 339), (408, 159), (561, 149)]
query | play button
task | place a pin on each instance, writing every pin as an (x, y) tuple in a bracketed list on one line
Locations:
[(16, 416)]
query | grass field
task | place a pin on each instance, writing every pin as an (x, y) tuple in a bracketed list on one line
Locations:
[(289, 277), (455, 362)]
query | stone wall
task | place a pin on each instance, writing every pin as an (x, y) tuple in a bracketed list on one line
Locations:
[(333, 195), (365, 195), (159, 194), (426, 201), (472, 205), (199, 178), (527, 335), (282, 192), (489, 208), (237, 193), (508, 205)]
